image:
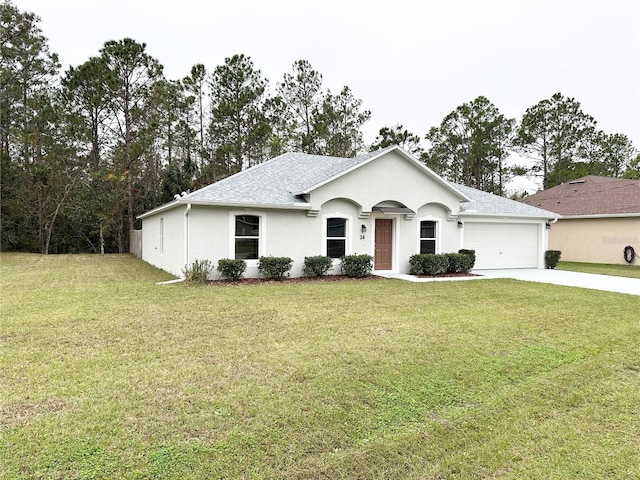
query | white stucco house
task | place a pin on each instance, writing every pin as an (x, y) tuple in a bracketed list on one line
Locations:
[(386, 204)]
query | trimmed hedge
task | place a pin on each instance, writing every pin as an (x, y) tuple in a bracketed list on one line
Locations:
[(428, 264), (435, 264), (459, 263), (551, 258), (231, 269), (316, 266), (356, 266), (415, 264), (275, 268), (471, 253)]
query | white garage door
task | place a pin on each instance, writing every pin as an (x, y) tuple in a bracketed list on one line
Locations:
[(503, 245)]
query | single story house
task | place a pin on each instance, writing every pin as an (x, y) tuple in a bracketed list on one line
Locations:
[(599, 218), (385, 203)]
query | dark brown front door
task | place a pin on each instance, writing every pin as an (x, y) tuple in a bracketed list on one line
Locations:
[(384, 236)]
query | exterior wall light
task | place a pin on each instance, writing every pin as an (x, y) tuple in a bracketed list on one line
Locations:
[(363, 228), (460, 224)]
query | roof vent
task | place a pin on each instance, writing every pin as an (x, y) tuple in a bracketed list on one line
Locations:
[(573, 182)]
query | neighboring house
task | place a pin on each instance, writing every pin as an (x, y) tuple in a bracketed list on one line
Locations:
[(386, 204), (599, 218)]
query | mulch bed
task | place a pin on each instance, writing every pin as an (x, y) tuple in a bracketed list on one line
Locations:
[(322, 279), (445, 275)]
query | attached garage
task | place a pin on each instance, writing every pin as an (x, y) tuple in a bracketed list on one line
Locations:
[(504, 245)]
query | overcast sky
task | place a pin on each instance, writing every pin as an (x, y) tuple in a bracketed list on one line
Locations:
[(411, 62)]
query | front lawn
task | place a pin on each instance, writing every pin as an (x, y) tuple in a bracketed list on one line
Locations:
[(107, 375), (620, 270)]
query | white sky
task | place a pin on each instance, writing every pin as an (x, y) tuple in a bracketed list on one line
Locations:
[(410, 61)]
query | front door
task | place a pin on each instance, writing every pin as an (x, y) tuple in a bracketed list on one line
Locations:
[(384, 235)]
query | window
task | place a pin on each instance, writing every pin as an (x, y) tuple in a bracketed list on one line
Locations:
[(427, 236), (247, 237), (336, 237)]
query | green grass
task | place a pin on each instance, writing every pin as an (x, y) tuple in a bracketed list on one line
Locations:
[(107, 375), (632, 271)]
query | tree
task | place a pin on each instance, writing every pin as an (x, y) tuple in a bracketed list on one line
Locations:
[(278, 116), (397, 135), (617, 153), (633, 171), (86, 96), (555, 134), (338, 124), (239, 130), (195, 85), (471, 146), (301, 93), (27, 116), (134, 73), (27, 67), (172, 110), (58, 172), (177, 179)]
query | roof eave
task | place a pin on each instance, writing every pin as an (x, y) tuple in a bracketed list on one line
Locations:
[(531, 216), (599, 215), (187, 201), (161, 208), (282, 206)]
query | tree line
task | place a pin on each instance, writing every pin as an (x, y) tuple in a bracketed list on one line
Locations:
[(84, 151)]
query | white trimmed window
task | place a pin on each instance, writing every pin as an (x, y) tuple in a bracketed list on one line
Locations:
[(336, 242), (247, 237), (428, 236)]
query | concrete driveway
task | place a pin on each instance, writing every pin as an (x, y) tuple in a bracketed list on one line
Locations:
[(572, 279), (558, 277)]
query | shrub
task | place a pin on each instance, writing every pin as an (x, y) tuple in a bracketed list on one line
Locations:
[(356, 266), (231, 269), (433, 264), (198, 271), (274, 268), (415, 264), (316, 266), (428, 264), (459, 262), (551, 258), (471, 253)]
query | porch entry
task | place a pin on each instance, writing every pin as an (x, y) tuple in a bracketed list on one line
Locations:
[(383, 244)]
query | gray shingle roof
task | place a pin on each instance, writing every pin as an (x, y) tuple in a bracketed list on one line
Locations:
[(280, 182), (484, 203), (276, 182)]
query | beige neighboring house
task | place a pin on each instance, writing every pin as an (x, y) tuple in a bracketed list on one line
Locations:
[(599, 218)]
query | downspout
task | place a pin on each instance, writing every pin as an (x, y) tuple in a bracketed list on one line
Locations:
[(545, 240), (186, 234)]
